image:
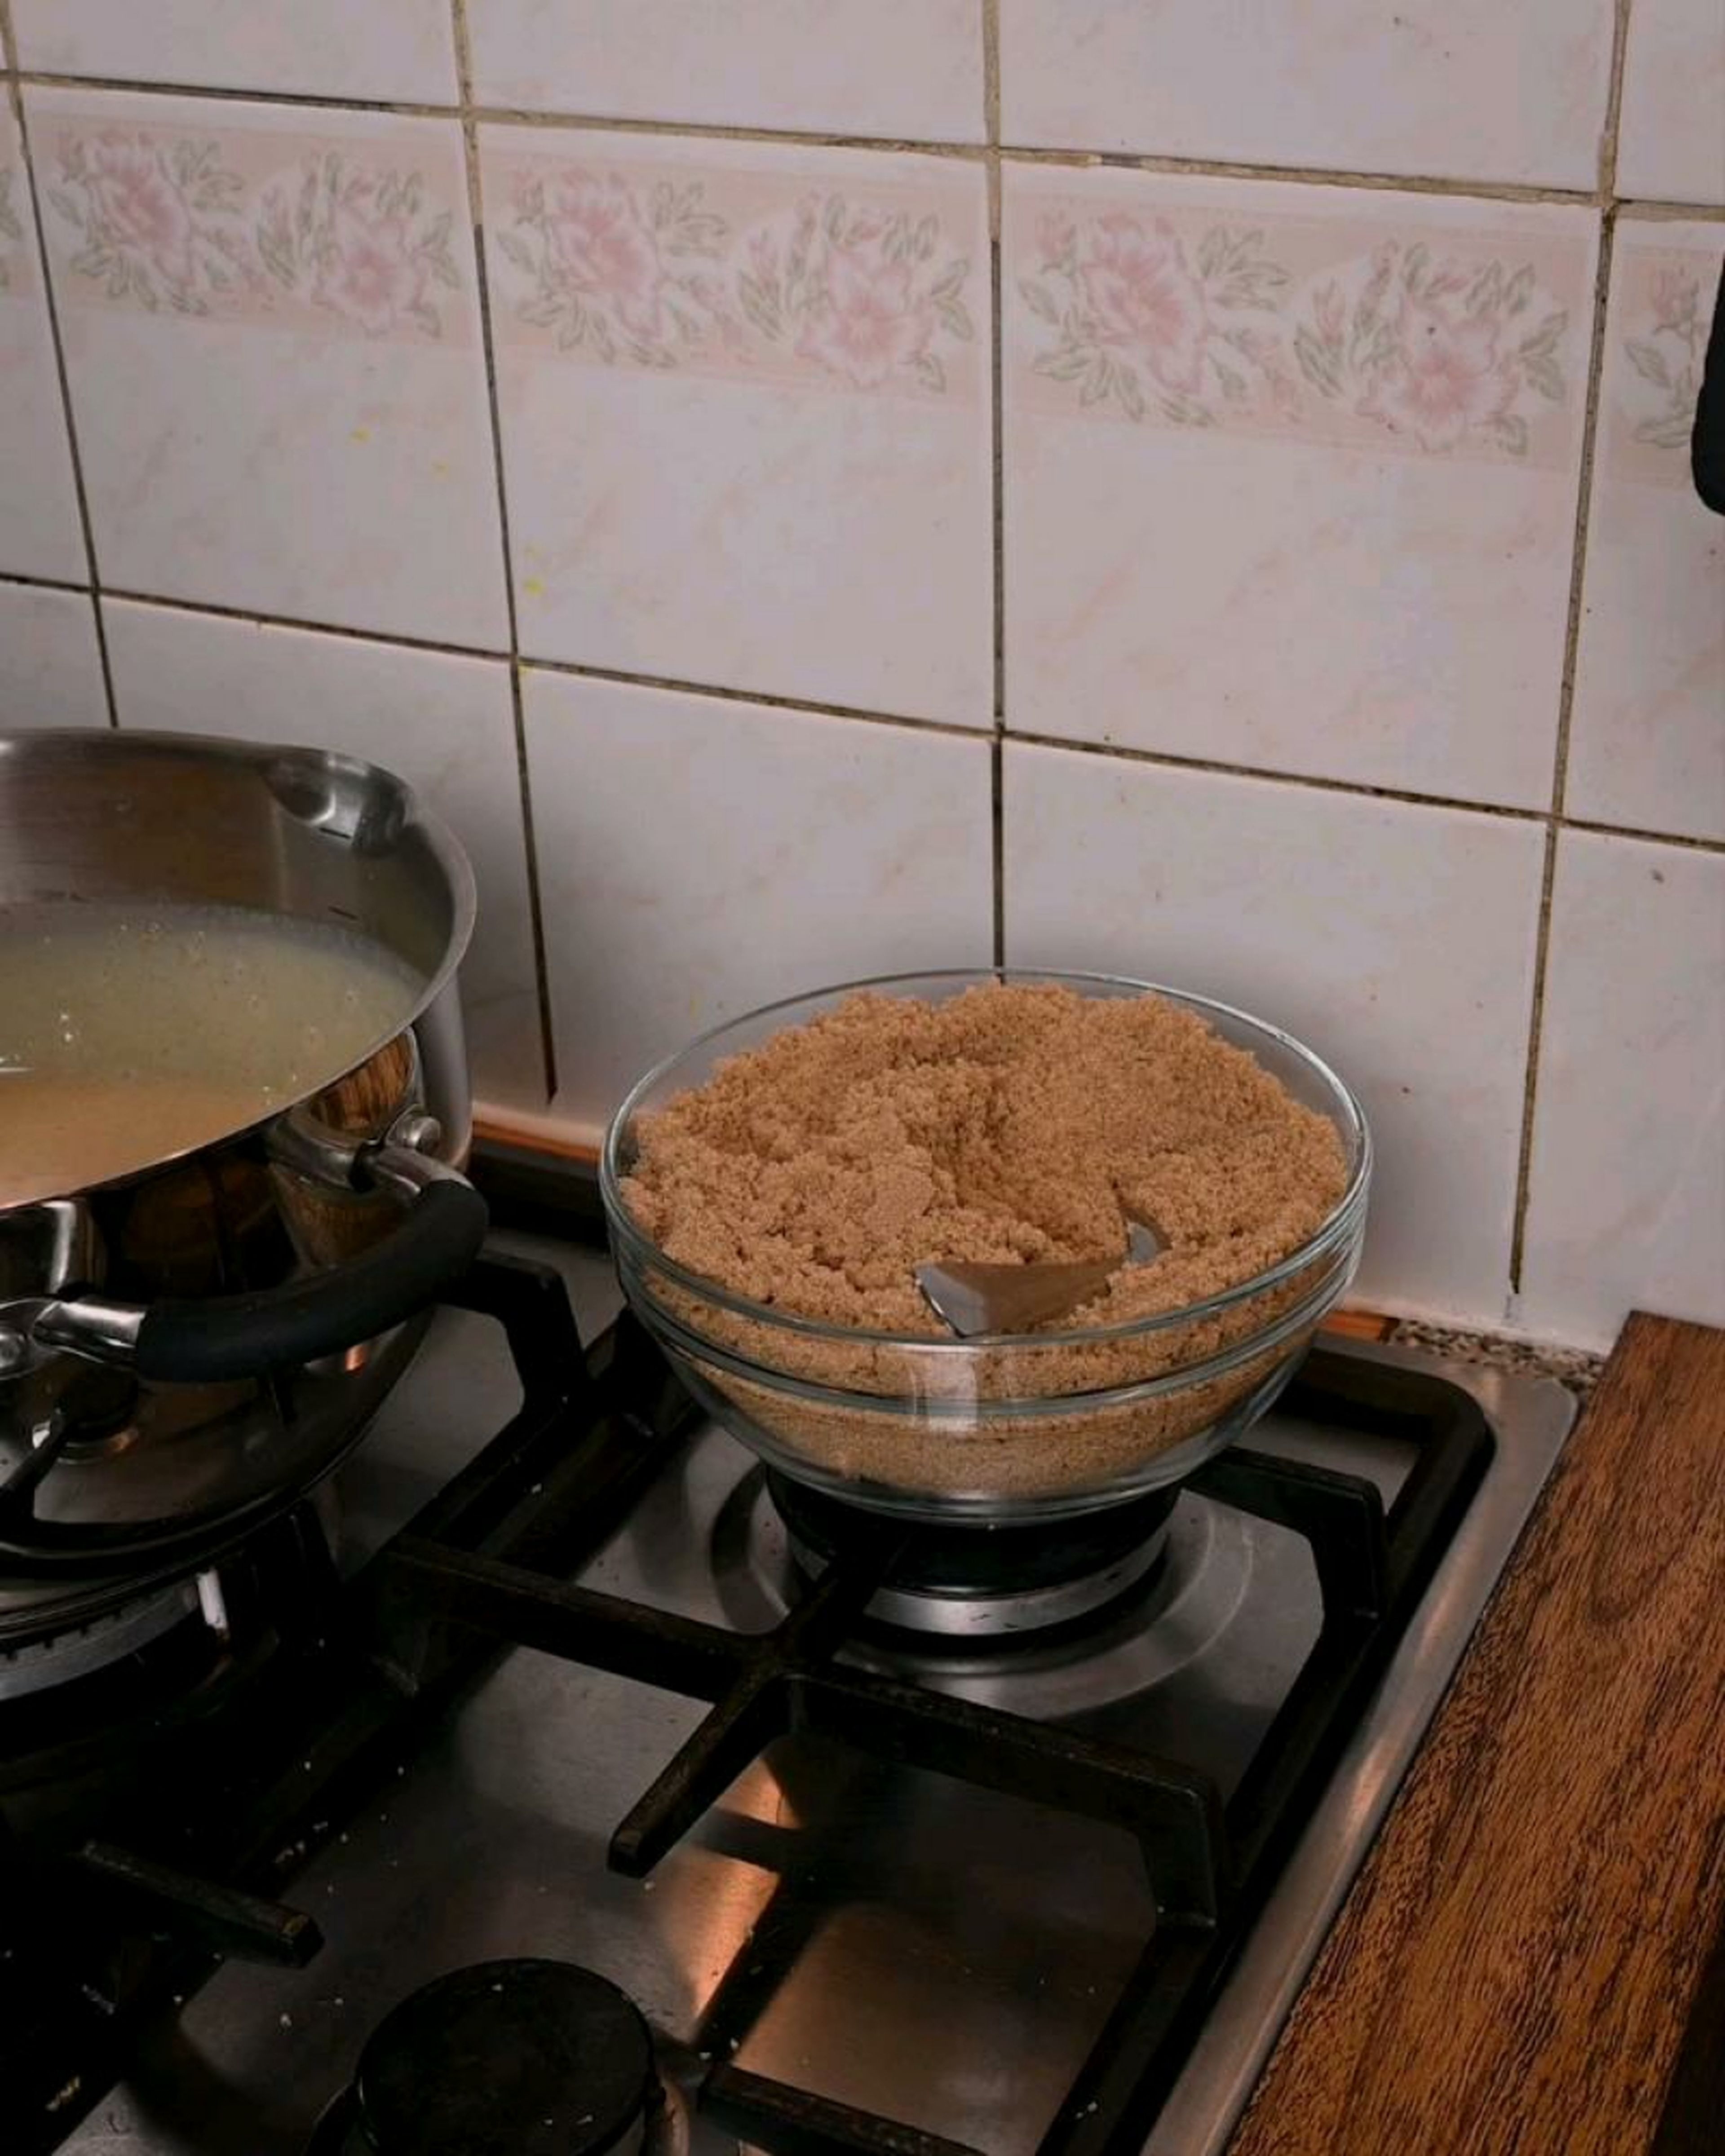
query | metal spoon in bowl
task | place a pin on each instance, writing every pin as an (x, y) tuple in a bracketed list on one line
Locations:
[(987, 1298)]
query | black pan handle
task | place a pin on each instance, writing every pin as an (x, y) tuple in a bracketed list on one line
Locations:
[(219, 1338)]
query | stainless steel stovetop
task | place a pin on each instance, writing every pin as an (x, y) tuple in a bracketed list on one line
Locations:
[(956, 1951)]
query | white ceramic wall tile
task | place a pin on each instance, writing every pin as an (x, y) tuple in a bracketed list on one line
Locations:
[(272, 329), (1291, 473), (381, 49), (39, 534), (909, 68), (50, 664), (698, 858), (1455, 89), (1627, 1195), (1396, 940), (1647, 731), (1671, 142), (443, 724), (746, 420)]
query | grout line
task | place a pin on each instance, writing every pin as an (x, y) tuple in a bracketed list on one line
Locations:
[(1233, 168), (44, 583), (1536, 1027), (475, 199), (1595, 826), (51, 307), (771, 703), (1647, 210), (991, 72), (703, 130), (536, 915), (1614, 100), (1572, 644), (505, 115), (996, 459), (1583, 503), (1166, 760), (254, 620), (233, 93), (997, 805)]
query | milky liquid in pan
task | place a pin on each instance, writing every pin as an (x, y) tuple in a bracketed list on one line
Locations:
[(129, 1035)]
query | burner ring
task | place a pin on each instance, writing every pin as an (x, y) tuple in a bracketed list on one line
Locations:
[(78, 1649), (977, 1582), (995, 1616)]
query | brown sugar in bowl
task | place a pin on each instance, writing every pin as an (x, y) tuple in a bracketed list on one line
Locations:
[(769, 1189)]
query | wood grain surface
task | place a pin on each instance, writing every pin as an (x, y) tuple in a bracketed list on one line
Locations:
[(1518, 1964)]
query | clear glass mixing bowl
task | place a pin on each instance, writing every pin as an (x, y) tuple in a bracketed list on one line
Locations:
[(1004, 1427)]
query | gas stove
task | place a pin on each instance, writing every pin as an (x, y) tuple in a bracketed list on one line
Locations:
[(801, 1833)]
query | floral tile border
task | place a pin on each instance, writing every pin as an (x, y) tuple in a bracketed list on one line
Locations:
[(1662, 308), (721, 271), (253, 225), (17, 254), (1428, 341)]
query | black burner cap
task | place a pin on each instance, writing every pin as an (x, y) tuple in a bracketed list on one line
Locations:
[(508, 2058), (965, 1557)]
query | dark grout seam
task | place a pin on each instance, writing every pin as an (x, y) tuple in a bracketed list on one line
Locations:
[(1530, 1084), (1572, 645), (1167, 760), (799, 706), (57, 341), (950, 729), (530, 841), (1591, 827), (127, 595), (470, 112), (235, 93), (997, 450)]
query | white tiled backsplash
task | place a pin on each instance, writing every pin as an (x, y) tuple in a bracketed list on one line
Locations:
[(1269, 568)]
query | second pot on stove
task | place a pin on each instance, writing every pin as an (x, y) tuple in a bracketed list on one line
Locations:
[(187, 1348)]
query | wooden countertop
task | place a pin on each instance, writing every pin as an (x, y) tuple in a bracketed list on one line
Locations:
[(1523, 1963)]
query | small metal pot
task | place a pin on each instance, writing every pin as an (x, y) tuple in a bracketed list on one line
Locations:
[(185, 1349)]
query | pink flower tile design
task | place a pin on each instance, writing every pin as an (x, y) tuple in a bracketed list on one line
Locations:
[(745, 409), (241, 226), (1646, 747), (1328, 330), (14, 255), (612, 276), (273, 344), (866, 292), (1663, 307), (39, 533), (1289, 474), (725, 273)]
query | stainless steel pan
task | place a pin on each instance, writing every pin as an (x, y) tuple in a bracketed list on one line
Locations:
[(188, 1346)]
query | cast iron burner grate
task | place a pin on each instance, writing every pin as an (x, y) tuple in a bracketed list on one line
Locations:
[(1208, 1864), (100, 1937)]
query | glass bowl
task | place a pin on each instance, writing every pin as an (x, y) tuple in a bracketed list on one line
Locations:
[(1002, 1427)]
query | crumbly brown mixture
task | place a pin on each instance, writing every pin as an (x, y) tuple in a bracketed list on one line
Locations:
[(1014, 1122)]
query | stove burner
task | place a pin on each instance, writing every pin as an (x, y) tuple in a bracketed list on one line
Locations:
[(58, 1658), (982, 1582), (97, 1698), (507, 2058)]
